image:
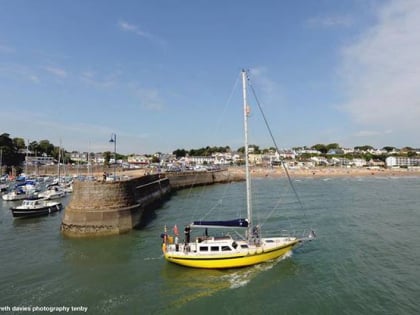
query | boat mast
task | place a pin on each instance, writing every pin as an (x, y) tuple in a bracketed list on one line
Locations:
[(26, 159), (59, 159), (247, 175)]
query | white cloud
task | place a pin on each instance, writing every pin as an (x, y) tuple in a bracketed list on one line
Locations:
[(270, 92), (133, 28), (149, 99), (18, 72), (34, 78), (381, 70), (330, 21), (372, 133), (5, 49), (127, 27), (58, 72), (91, 78)]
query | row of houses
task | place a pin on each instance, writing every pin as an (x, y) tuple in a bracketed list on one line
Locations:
[(271, 158)]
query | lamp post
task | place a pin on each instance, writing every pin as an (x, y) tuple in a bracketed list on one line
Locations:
[(114, 140)]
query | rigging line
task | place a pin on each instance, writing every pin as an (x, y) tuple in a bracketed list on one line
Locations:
[(276, 206), (275, 144), (200, 193)]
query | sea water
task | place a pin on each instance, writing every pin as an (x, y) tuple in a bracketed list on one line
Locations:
[(365, 259)]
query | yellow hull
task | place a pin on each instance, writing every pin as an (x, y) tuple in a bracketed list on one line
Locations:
[(252, 257)]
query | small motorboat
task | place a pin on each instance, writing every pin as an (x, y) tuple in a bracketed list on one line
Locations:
[(35, 208), (52, 192), (19, 194), (20, 191)]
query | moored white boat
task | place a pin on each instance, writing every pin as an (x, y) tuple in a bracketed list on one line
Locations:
[(34, 208), (52, 192), (19, 194)]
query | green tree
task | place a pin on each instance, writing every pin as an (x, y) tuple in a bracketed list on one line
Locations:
[(253, 146), (364, 148), (107, 158), (389, 148), (48, 148), (320, 147), (19, 143), (34, 147), (10, 154), (179, 153), (333, 146), (155, 159)]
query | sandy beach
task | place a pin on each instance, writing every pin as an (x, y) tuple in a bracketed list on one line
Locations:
[(317, 172), (326, 172)]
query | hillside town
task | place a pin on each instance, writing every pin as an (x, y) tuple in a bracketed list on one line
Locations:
[(300, 158)]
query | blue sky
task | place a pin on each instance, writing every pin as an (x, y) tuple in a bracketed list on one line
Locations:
[(163, 75)]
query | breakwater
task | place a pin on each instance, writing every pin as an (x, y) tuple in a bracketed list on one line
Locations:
[(109, 208), (184, 180)]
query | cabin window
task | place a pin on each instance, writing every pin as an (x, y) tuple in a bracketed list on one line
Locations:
[(244, 246), (204, 249), (215, 248), (269, 241), (226, 248)]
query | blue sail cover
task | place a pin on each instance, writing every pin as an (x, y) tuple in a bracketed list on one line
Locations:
[(221, 224)]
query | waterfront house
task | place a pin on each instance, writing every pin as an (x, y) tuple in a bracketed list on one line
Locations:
[(402, 161)]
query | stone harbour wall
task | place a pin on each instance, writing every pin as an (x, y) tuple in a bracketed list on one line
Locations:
[(192, 179), (107, 208)]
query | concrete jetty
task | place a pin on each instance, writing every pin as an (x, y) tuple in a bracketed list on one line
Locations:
[(107, 208)]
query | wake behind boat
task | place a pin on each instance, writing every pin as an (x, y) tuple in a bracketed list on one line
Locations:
[(219, 252), (35, 208)]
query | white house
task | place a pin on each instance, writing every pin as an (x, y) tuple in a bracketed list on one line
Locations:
[(401, 161)]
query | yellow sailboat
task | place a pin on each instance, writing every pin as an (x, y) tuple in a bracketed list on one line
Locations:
[(221, 252)]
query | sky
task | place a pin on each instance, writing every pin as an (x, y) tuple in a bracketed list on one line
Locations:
[(165, 74)]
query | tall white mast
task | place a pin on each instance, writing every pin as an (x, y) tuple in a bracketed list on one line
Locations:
[(59, 159), (248, 178), (26, 159)]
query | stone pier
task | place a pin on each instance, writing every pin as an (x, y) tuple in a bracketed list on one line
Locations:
[(192, 179), (107, 208)]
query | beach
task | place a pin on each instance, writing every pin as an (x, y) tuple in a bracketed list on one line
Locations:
[(315, 172), (326, 172), (256, 171)]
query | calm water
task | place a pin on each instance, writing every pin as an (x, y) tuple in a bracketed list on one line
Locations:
[(365, 261)]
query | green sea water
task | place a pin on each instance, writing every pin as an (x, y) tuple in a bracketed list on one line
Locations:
[(365, 260)]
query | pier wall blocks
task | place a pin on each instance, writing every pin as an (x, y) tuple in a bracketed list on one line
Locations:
[(107, 208), (191, 179)]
